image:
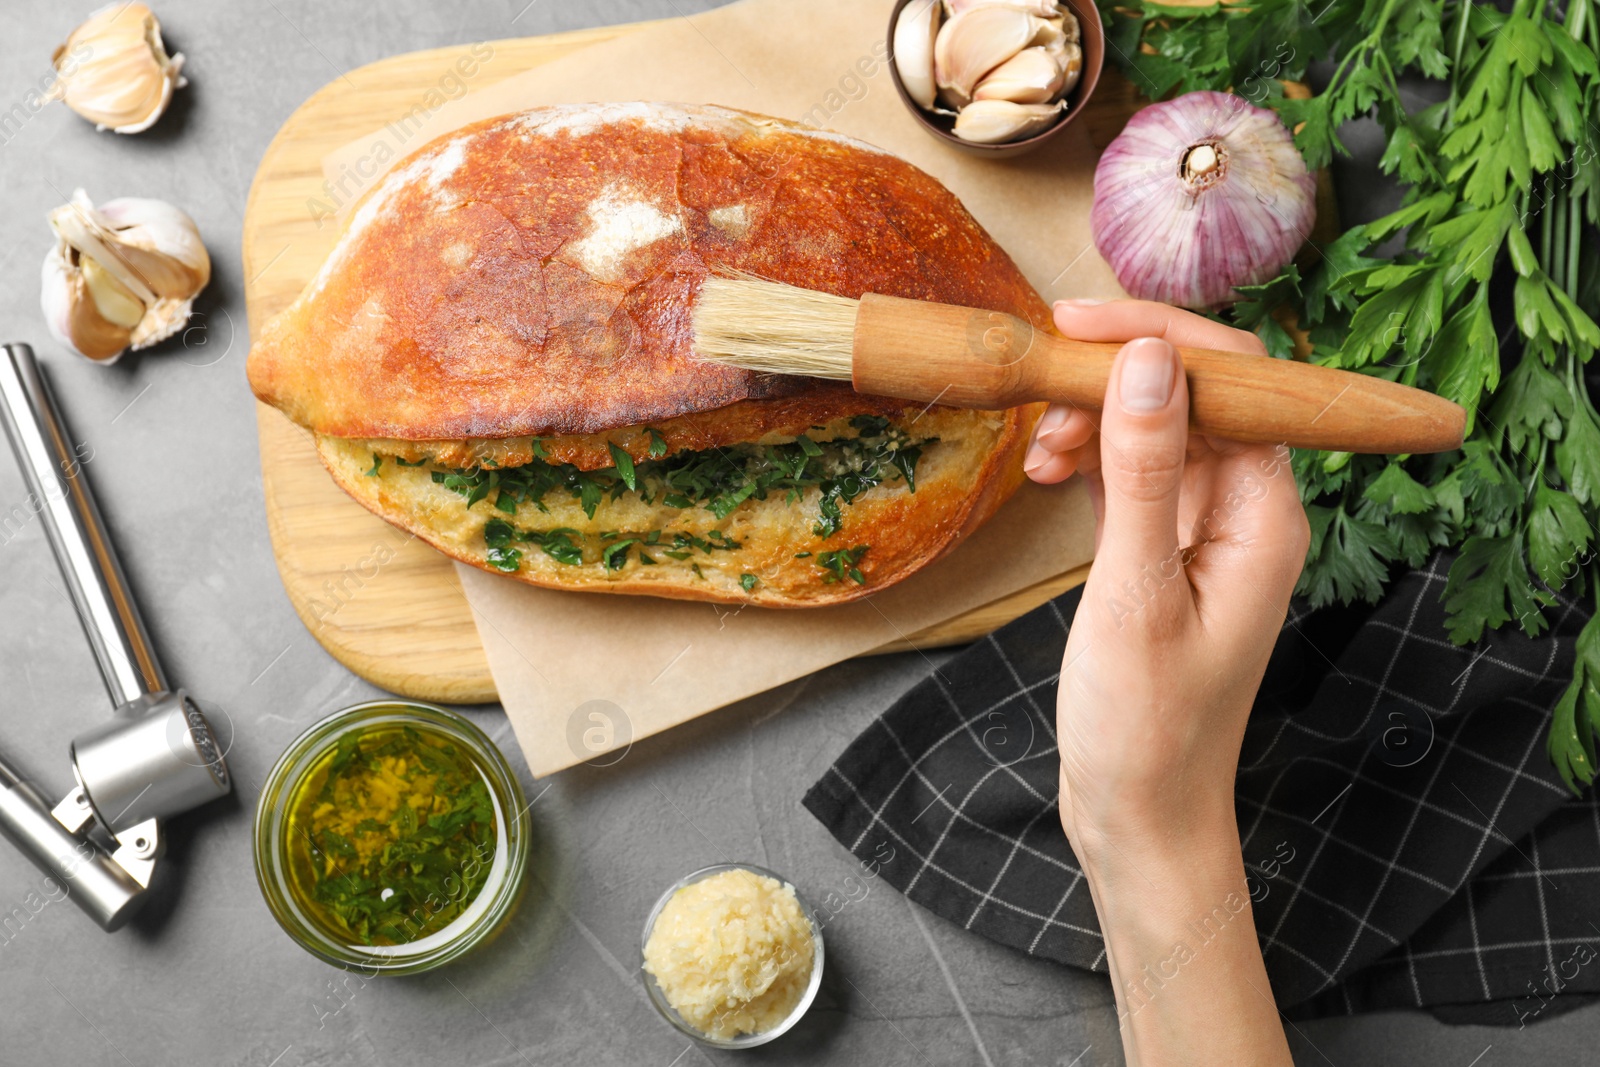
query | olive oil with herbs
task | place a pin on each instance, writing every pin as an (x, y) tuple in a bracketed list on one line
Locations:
[(392, 835)]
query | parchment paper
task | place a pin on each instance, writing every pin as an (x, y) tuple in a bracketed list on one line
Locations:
[(582, 675)]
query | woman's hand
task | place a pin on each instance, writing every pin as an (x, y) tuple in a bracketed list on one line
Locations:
[(1199, 543)]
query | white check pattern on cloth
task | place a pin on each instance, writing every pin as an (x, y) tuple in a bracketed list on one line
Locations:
[(1376, 874)]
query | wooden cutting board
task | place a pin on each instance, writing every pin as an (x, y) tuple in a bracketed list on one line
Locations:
[(382, 603)]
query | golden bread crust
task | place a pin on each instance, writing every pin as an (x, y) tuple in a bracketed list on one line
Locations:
[(532, 275)]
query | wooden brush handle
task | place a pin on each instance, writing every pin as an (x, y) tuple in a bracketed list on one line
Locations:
[(986, 359)]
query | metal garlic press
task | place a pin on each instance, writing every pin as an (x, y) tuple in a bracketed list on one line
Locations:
[(156, 757)]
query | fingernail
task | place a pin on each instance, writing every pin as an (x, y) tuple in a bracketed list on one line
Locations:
[(1148, 368), (1054, 440), (1052, 420), (1080, 302), (1038, 456)]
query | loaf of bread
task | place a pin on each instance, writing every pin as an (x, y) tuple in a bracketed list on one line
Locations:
[(497, 356)]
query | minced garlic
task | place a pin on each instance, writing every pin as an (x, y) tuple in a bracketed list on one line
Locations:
[(732, 953)]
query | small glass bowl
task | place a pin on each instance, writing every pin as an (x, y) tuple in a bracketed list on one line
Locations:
[(489, 910), (659, 999)]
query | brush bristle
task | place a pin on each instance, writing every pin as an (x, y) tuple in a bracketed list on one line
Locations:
[(775, 328)]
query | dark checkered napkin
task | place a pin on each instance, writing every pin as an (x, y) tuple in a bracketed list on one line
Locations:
[(1407, 841)]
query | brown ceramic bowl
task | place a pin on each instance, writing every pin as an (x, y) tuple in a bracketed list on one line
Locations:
[(939, 126)]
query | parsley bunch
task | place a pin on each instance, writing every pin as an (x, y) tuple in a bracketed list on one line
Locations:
[(1491, 299)]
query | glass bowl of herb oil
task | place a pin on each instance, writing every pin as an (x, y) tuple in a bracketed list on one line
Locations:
[(391, 837)]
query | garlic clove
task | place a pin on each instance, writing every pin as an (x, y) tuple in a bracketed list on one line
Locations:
[(160, 243), (114, 69), (71, 313), (976, 41), (1068, 24), (1032, 76), (951, 101), (999, 121), (111, 298), (1042, 8), (1069, 56), (914, 33), (1050, 33), (123, 275), (91, 235)]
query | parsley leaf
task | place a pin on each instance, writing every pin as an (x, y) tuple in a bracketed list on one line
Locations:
[(559, 546), (1399, 492), (624, 466), (1349, 557), (498, 535), (842, 563), (1488, 586), (1558, 535), (1577, 456), (615, 555)]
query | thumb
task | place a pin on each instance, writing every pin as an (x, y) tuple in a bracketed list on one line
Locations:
[(1144, 436)]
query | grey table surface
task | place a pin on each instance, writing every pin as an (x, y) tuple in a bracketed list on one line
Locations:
[(205, 976)]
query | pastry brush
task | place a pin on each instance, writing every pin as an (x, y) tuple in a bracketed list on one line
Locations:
[(969, 358)]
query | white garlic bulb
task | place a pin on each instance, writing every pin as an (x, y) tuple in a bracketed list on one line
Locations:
[(120, 276), (114, 69), (1019, 58), (1198, 196)]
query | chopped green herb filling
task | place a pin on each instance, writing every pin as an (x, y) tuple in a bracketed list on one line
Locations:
[(498, 535), (566, 545), (843, 562), (717, 479)]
